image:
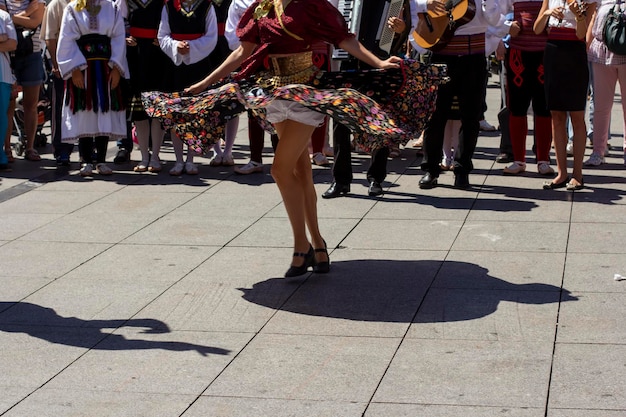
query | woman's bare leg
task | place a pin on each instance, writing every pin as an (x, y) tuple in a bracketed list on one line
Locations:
[(559, 135), (294, 181), (579, 140), (305, 175)]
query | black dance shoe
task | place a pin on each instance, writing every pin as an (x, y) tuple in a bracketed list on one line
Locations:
[(375, 189), (324, 266), (428, 181), (336, 190), (309, 260)]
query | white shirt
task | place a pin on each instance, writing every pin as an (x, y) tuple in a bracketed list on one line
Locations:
[(6, 27), (198, 48)]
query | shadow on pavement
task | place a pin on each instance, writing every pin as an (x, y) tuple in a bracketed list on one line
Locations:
[(399, 291), (44, 323)]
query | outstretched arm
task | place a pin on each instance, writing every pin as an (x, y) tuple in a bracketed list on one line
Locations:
[(357, 50), (230, 64)]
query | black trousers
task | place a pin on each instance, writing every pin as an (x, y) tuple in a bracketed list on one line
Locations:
[(467, 80), (342, 167)]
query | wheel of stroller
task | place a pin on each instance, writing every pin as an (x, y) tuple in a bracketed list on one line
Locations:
[(19, 148), (41, 140)]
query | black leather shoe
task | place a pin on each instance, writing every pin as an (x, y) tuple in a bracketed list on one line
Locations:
[(309, 260), (336, 190), (121, 157), (461, 180), (375, 189), (428, 181)]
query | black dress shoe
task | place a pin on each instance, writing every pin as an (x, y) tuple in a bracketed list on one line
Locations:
[(504, 158), (121, 157), (309, 260), (336, 190), (461, 180), (375, 189), (428, 181)]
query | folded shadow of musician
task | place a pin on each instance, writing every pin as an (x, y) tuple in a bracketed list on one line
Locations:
[(44, 323), (401, 292)]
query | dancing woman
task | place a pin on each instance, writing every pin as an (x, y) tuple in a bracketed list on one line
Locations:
[(281, 33)]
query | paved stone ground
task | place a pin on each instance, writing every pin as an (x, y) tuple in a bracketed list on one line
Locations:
[(150, 295)]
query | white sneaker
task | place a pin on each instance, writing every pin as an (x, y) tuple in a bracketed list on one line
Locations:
[(104, 169), (486, 127), (249, 168), (86, 170), (319, 159), (544, 168), (515, 168), (191, 168), (177, 169), (570, 148), (594, 160)]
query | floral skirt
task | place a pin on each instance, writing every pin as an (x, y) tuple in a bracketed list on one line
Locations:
[(382, 108)]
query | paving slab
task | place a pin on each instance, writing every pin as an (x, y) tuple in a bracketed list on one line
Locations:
[(411, 410), (468, 372), (47, 402), (322, 368), (245, 407), (588, 376)]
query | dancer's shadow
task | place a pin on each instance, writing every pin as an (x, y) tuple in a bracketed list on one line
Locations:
[(44, 323), (394, 291)]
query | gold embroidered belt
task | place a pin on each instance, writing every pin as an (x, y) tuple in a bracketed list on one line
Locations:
[(292, 69)]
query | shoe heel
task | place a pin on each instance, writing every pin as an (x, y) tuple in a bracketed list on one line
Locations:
[(322, 267), (309, 260)]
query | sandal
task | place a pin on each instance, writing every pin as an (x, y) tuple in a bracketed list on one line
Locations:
[(32, 155)]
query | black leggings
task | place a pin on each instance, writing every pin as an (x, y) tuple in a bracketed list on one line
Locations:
[(86, 149)]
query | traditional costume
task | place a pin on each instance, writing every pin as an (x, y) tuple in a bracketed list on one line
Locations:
[(193, 21), (145, 57), (92, 40), (382, 107)]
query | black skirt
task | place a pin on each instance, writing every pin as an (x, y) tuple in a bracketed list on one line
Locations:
[(566, 77)]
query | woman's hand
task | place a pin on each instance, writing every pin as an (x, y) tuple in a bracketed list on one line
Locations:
[(196, 88), (182, 47), (392, 62), (114, 77), (556, 12), (579, 9), (77, 79), (131, 41), (515, 29)]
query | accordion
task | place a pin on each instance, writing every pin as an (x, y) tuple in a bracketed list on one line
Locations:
[(369, 24)]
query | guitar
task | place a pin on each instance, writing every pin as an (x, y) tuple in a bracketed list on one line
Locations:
[(435, 30)]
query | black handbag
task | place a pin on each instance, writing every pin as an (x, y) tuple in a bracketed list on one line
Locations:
[(614, 31), (25, 45)]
